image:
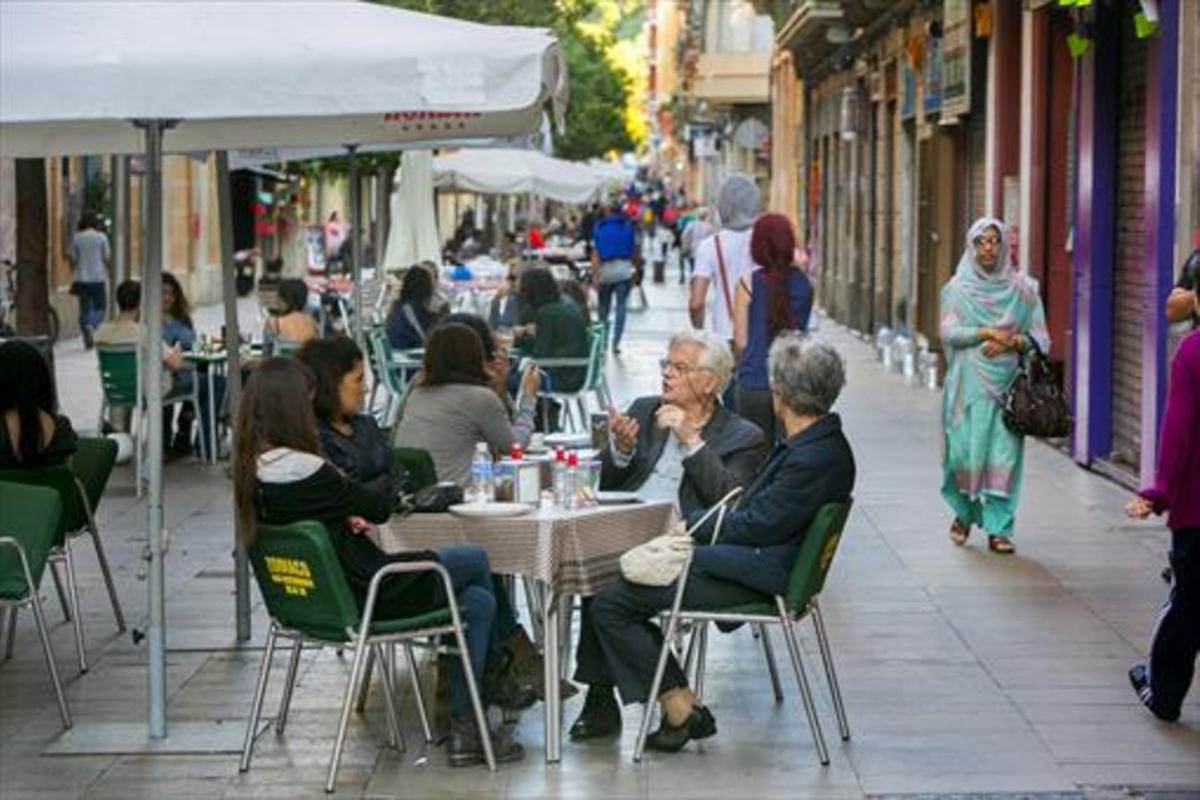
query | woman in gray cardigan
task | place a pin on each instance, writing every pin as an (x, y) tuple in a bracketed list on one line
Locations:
[(453, 406), (681, 445)]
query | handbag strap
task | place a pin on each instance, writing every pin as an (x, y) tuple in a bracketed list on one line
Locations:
[(724, 277)]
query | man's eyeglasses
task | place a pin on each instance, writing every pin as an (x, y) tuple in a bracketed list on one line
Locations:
[(678, 367)]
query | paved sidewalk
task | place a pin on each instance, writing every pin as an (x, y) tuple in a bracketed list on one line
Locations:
[(964, 673)]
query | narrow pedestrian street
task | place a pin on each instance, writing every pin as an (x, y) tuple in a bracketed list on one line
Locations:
[(964, 672)]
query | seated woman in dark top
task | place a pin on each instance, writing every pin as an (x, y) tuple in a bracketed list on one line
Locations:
[(410, 319), (33, 433), (283, 479), (351, 440), (554, 328)]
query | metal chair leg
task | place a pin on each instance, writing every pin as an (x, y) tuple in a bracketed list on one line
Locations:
[(260, 691), (360, 703), (485, 735), (764, 636), (40, 620), (108, 578), (417, 695), (655, 686), (356, 670), (701, 661), (839, 707), (384, 655), (10, 640), (814, 724), (73, 590), (289, 685), (63, 601)]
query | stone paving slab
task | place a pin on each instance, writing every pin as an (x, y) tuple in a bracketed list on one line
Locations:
[(965, 674)]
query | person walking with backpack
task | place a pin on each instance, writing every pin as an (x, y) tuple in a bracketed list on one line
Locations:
[(614, 243)]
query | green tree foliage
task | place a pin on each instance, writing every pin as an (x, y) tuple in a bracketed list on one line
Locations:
[(594, 124)]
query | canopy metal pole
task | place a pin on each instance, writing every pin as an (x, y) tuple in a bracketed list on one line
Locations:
[(356, 240), (233, 381), (152, 367), (121, 225)]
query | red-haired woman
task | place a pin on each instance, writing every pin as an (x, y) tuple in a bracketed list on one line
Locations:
[(775, 297)]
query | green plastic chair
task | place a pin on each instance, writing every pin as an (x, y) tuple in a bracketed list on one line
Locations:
[(30, 517), (418, 464), (120, 382), (80, 485), (594, 381), (390, 375), (309, 601), (805, 582)]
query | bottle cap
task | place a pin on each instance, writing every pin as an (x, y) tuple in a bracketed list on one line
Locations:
[(560, 454), (515, 452), (573, 459)]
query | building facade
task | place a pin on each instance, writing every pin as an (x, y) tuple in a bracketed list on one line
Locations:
[(894, 125)]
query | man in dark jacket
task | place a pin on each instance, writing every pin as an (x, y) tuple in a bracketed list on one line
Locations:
[(751, 559)]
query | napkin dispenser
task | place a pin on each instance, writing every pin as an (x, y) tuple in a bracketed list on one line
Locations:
[(518, 481)]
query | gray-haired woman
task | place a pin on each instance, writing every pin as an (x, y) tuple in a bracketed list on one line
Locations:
[(759, 540)]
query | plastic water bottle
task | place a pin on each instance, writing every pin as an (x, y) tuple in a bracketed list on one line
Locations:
[(571, 482), (482, 486), (559, 473)]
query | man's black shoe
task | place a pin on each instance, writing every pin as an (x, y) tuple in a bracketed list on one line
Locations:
[(466, 748), (1139, 677), (600, 718), (700, 724)]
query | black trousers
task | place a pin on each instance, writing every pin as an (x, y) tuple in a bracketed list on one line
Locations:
[(619, 643), (1177, 637)]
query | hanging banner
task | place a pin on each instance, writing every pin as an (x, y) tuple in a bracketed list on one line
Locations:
[(956, 57), (908, 90), (931, 75)]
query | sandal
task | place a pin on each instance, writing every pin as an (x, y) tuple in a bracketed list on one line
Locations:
[(1002, 545), (959, 533)]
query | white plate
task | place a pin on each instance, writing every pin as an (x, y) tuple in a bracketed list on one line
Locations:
[(617, 498), (568, 439), (490, 509)]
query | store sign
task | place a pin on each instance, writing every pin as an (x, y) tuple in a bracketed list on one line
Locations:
[(932, 76), (956, 57)]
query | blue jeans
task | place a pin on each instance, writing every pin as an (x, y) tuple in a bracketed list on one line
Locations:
[(92, 304), (606, 291), (489, 619)]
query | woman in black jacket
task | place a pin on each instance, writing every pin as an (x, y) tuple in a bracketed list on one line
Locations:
[(281, 478)]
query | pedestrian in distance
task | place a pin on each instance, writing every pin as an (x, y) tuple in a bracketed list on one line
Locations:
[(614, 245), (90, 255), (990, 313), (1163, 682)]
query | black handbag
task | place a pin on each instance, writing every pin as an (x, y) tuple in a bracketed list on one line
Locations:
[(1034, 403), (437, 498)]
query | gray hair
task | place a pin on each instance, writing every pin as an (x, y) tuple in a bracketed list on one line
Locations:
[(714, 353), (807, 373), (738, 202)]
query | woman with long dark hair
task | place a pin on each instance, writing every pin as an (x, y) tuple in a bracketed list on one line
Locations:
[(775, 297), (33, 433), (282, 478), (410, 319), (178, 331)]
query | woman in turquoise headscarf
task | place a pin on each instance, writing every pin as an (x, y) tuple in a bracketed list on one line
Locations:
[(990, 313)]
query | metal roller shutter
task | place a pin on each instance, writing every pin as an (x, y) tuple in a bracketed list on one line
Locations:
[(1129, 303)]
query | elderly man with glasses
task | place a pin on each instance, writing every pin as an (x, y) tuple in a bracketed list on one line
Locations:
[(680, 445), (760, 539)]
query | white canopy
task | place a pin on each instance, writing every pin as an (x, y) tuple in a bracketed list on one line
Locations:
[(500, 171), (413, 236), (252, 74)]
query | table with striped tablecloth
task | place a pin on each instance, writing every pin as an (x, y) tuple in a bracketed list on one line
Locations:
[(566, 552), (571, 552)]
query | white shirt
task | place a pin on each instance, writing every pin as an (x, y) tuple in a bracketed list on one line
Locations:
[(735, 247)]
